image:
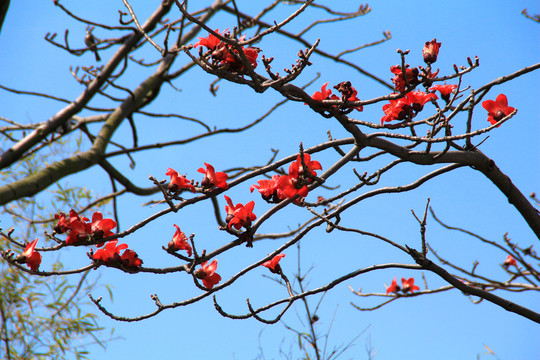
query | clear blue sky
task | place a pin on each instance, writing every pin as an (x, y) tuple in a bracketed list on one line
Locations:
[(443, 326)]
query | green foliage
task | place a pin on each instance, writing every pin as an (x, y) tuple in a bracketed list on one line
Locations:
[(44, 318)]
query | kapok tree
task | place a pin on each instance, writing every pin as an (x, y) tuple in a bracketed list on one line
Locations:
[(418, 117)]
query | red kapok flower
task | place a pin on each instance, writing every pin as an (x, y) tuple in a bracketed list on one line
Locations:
[(208, 275), (408, 285), (445, 90), (273, 264), (269, 189), (345, 88), (289, 187), (419, 98), (497, 109), (101, 227), (399, 81), (63, 223), (225, 55), (79, 228), (239, 215), (348, 92), (397, 110), (110, 253), (213, 178), (178, 181), (430, 51), (296, 169), (510, 261), (130, 259), (179, 241), (393, 287), (210, 42), (252, 53), (324, 94), (30, 257)]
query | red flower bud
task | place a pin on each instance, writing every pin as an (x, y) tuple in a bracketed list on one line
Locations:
[(431, 51)]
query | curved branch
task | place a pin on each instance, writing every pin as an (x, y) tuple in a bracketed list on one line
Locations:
[(505, 304), (16, 151)]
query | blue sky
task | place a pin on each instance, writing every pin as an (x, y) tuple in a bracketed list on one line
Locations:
[(442, 326)]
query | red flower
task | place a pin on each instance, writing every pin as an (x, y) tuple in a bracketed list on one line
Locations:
[(269, 189), (208, 275), (63, 223), (110, 253), (239, 215), (226, 55), (408, 285), (418, 99), (230, 208), (397, 110), (179, 242), (178, 181), (324, 94), (445, 90), (510, 261), (296, 182), (101, 227), (213, 178), (497, 109), (393, 287), (130, 259), (296, 169), (210, 42), (30, 257), (79, 228), (290, 187), (347, 91), (430, 51), (273, 264), (399, 80), (252, 54)]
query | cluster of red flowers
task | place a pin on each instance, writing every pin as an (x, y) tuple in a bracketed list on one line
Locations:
[(348, 93), (110, 255), (407, 285), (211, 179), (227, 56), (407, 107), (407, 78), (411, 76), (81, 229), (289, 186)]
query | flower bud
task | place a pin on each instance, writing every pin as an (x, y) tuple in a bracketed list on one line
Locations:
[(431, 51)]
